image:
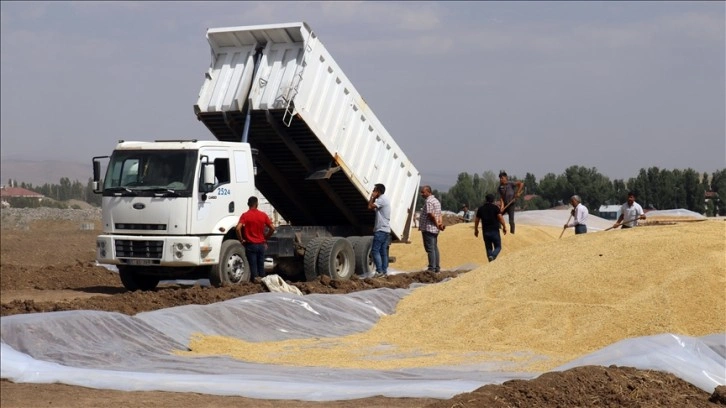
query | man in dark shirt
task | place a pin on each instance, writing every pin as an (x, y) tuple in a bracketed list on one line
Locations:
[(509, 191), (491, 218)]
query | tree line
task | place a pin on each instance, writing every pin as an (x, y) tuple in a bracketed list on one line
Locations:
[(655, 189), (64, 191)]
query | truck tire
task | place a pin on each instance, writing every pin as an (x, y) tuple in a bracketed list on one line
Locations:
[(310, 260), (336, 259), (363, 260), (133, 279), (233, 267)]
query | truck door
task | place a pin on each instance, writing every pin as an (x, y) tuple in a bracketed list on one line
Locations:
[(219, 203)]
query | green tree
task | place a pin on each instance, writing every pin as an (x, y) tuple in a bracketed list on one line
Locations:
[(694, 191), (530, 184), (486, 184), (554, 189), (718, 186), (536, 203), (593, 187), (461, 193)]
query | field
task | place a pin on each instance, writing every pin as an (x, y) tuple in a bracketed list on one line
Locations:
[(47, 264)]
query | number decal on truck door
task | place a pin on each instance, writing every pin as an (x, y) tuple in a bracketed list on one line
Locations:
[(223, 191)]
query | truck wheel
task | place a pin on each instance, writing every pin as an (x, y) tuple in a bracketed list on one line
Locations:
[(233, 267), (336, 258), (310, 260), (133, 279), (363, 260)]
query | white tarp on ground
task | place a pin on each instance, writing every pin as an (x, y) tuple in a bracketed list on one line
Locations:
[(558, 218), (132, 353)]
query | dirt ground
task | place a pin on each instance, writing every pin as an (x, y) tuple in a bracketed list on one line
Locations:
[(49, 265)]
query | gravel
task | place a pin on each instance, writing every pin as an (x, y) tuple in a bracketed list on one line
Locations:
[(21, 218)]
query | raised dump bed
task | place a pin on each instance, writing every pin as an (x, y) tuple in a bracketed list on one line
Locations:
[(320, 147)]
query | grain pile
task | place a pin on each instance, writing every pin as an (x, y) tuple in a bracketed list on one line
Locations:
[(557, 298)]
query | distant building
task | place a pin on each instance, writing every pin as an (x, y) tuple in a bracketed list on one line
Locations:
[(7, 193), (609, 212)]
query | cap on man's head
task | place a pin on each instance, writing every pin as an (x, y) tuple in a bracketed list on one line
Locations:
[(502, 173)]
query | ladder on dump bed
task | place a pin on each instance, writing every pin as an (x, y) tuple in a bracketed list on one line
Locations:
[(297, 78)]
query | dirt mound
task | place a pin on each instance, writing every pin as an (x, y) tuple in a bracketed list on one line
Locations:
[(588, 386)]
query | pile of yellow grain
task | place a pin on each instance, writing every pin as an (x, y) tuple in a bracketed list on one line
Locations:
[(544, 296)]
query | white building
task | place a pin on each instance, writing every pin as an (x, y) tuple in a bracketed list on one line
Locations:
[(609, 212)]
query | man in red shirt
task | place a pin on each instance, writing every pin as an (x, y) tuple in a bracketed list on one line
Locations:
[(252, 234)]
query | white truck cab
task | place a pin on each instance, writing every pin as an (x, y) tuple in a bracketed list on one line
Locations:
[(161, 217)]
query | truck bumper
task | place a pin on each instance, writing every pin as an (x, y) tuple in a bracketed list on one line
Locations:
[(175, 251)]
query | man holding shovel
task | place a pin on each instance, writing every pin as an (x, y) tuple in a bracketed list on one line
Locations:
[(509, 192), (578, 216), (630, 211)]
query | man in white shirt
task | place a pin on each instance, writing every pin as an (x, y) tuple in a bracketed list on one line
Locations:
[(579, 215), (380, 203), (631, 212)]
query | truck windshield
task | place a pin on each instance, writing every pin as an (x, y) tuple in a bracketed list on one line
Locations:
[(151, 172)]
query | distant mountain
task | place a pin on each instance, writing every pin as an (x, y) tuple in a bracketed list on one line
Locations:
[(41, 172)]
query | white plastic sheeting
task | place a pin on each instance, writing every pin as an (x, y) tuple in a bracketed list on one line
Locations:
[(115, 351), (676, 213), (558, 218)]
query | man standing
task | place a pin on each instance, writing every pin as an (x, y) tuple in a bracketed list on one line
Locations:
[(382, 228), (631, 212), (579, 215), (252, 234), (509, 191), (490, 216), (430, 224), (467, 213)]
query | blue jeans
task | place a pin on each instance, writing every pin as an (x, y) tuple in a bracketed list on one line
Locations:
[(256, 257), (431, 246), (379, 251), (492, 243), (580, 229)]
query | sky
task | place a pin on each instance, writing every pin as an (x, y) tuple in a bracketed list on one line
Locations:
[(526, 87)]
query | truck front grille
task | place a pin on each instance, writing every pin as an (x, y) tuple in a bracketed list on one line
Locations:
[(139, 249), (141, 227)]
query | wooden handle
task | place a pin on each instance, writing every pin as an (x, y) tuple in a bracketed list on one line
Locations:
[(564, 228)]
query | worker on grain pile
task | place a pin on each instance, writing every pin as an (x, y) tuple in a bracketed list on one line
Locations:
[(490, 217), (466, 212), (509, 191), (631, 212), (579, 215), (380, 203), (430, 224), (253, 230)]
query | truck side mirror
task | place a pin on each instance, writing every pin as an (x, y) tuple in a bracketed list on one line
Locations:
[(97, 173), (208, 178)]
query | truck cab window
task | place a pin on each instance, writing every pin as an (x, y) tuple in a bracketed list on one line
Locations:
[(221, 170)]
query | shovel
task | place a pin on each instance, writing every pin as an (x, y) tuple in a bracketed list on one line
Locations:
[(564, 228), (621, 224), (508, 204)]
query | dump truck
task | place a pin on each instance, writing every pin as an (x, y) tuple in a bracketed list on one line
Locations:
[(288, 123)]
